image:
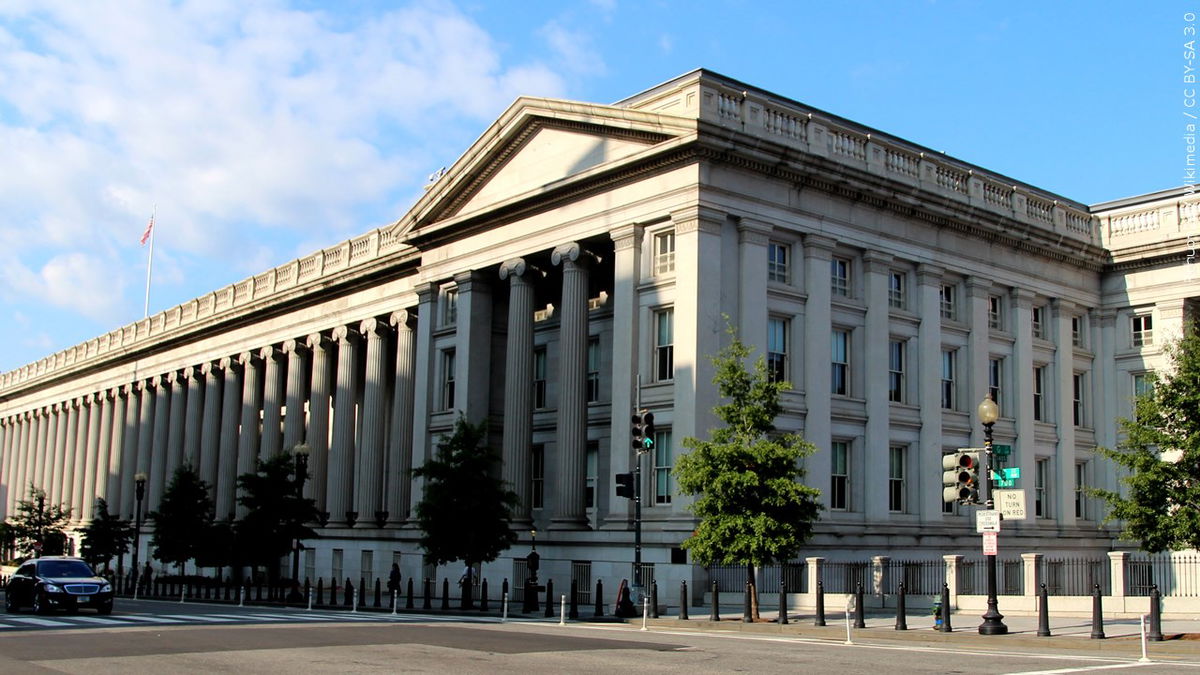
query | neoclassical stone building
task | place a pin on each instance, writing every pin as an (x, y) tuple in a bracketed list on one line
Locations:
[(580, 259)]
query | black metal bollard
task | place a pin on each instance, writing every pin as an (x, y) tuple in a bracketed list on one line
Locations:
[(573, 612), (783, 617), (378, 598), (901, 614), (1097, 614), (746, 618), (683, 601), (427, 591), (408, 602), (859, 621), (599, 611), (1043, 612), (946, 627), (549, 597), (445, 593), (820, 618), (1155, 633), (529, 604), (348, 593), (715, 613), (653, 599), (483, 593)]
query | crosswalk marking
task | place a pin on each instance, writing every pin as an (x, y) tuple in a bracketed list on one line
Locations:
[(38, 622), (149, 619), (75, 621), (99, 619)]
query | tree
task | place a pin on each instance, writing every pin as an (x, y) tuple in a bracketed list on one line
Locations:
[(276, 513), (183, 518), (1160, 448), (106, 537), (465, 511), (751, 505), (39, 528)]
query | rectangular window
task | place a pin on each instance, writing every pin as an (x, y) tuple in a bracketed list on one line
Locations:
[(1077, 385), (896, 371), (366, 568), (995, 313), (996, 381), (896, 478), (539, 377), (949, 307), (593, 370), (839, 480), (896, 295), (1041, 482), (777, 263), (449, 306), (949, 366), (664, 253), (1077, 331), (1142, 327), (840, 342), (1039, 326), (537, 475), (777, 349), (448, 366), (1142, 384), (664, 345), (593, 459), (336, 565), (1039, 391), (1080, 495), (662, 467), (840, 277)]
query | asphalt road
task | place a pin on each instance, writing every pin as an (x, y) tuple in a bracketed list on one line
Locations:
[(165, 637)]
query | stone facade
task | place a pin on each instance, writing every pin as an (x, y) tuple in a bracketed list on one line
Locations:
[(582, 259)]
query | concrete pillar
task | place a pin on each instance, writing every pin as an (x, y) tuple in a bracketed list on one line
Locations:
[(193, 425), (318, 419), (129, 449), (1025, 448), (876, 352), (104, 447), (953, 570), (60, 486), (627, 249), (1117, 567), (176, 421), (400, 438), (45, 453), (116, 454), (979, 352), (473, 346), (753, 239), (518, 382), (147, 401), (1031, 565), (85, 484), (340, 488), (369, 486), (210, 427), (814, 573), (423, 391), (297, 369), (927, 371), (571, 439), (84, 443), (272, 405), (248, 440), (818, 322), (1064, 385), (57, 440), (227, 463), (37, 456)]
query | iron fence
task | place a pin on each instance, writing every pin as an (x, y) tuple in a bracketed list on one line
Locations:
[(1010, 577), (844, 577), (1064, 576), (1175, 574), (920, 577), (732, 578)]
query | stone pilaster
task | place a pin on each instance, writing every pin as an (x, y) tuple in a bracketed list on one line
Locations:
[(400, 438), (272, 406), (248, 441), (1064, 382), (1025, 448), (297, 369), (193, 425), (369, 486), (627, 251), (753, 240), (473, 346), (818, 322), (571, 437), (175, 423), (927, 370), (518, 382), (340, 488), (1104, 389), (423, 389), (231, 407), (210, 427), (130, 454), (979, 348), (22, 447), (876, 352), (318, 419)]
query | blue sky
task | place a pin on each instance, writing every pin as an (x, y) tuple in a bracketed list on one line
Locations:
[(263, 131)]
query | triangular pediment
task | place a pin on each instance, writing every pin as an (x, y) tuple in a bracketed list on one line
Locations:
[(536, 146)]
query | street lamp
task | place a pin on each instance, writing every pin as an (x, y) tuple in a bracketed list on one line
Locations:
[(993, 623), (300, 452), (139, 482)]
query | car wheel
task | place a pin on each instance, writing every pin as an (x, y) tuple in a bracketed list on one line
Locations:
[(40, 604), (10, 605), (106, 608)]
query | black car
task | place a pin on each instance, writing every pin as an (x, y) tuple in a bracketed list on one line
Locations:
[(57, 582)]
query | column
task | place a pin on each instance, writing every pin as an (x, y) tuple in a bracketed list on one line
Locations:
[(37, 458), (60, 489), (248, 441), (58, 462), (46, 448), (518, 383), (1019, 397), (22, 485), (1104, 393), (928, 370), (571, 437), (293, 421), (118, 440), (1064, 416), (875, 378), (318, 420), (224, 506), (753, 238), (85, 458), (131, 459), (627, 251), (104, 446), (272, 405), (175, 423), (340, 488), (423, 389), (145, 443), (210, 429), (400, 439), (369, 487), (473, 346), (193, 429), (979, 347), (818, 322), (157, 477), (6, 467)]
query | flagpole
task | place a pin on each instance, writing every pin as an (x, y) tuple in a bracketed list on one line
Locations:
[(150, 262)]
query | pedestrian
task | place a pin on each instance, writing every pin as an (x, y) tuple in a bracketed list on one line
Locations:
[(624, 609), (394, 579)]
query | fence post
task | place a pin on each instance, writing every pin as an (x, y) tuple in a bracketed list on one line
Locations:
[(820, 617), (1097, 614), (1156, 634), (879, 578), (814, 578), (715, 613), (901, 619), (1043, 612), (783, 617), (1031, 564), (953, 572), (1117, 565), (859, 620), (683, 601)]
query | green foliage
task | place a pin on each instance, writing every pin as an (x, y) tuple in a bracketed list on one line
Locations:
[(1160, 505), (38, 525), (183, 518), (465, 512), (106, 537), (276, 513)]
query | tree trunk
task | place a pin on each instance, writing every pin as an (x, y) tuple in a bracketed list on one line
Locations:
[(753, 591)]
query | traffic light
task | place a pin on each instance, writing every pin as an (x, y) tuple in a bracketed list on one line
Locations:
[(960, 477), (643, 431), (625, 485), (639, 432)]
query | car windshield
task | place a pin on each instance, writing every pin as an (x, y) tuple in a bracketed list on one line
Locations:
[(64, 568)]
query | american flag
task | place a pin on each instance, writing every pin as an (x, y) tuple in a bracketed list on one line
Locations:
[(149, 229)]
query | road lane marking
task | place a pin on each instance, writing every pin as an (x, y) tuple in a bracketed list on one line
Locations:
[(38, 622), (1085, 669)]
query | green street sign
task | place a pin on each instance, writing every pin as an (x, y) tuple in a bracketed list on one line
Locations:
[(1006, 477), (1002, 450)]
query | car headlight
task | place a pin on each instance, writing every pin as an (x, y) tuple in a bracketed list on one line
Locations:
[(53, 588), (106, 588)]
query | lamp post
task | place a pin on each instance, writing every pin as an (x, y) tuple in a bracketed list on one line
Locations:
[(300, 452), (993, 623), (139, 482), (38, 544)]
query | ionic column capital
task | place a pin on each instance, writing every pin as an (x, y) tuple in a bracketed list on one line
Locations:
[(517, 268), (345, 335), (294, 346), (403, 319), (317, 341), (268, 353), (247, 358), (372, 328), (573, 252)]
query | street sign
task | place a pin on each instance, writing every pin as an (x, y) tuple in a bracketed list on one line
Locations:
[(990, 546), (987, 521), (1005, 478), (1010, 503), (1002, 451)]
